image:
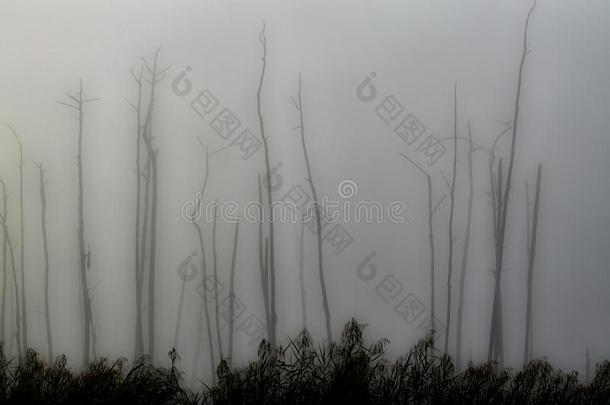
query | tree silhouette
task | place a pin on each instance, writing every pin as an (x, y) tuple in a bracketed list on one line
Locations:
[(495, 351), (45, 244), (298, 104), (270, 254), (77, 102)]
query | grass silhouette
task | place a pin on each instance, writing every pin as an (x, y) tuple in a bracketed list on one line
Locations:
[(346, 372)]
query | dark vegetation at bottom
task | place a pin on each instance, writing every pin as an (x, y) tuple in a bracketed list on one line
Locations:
[(348, 372)]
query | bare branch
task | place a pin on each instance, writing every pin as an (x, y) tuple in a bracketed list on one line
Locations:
[(442, 200), (67, 105), (414, 164)]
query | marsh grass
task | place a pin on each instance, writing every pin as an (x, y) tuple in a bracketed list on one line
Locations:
[(346, 372)]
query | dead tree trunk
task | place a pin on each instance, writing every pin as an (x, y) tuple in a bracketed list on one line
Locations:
[(232, 289), (180, 305), (301, 264), (495, 352), (139, 336), (14, 267), (205, 303), (263, 255), (45, 244), (155, 77), (530, 271), (460, 310), (299, 106), (272, 325), (144, 243), (431, 211), (152, 261), (204, 291), (84, 258), (9, 245), (215, 269), (496, 345), (4, 265), (150, 200), (24, 318), (451, 210)]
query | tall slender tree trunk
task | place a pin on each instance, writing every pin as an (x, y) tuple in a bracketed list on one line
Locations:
[(81, 239), (496, 338), (16, 287), (156, 76), (24, 318), (205, 303), (77, 102), (530, 271), (232, 289), (4, 266), (431, 242), (144, 237), (318, 215), (272, 325), (460, 311), (431, 211), (301, 263), (204, 307), (215, 269), (495, 352), (152, 261), (9, 246), (179, 315), (451, 210), (43, 219), (262, 255), (139, 336)]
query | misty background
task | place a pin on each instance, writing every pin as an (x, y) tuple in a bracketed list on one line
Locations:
[(418, 51)]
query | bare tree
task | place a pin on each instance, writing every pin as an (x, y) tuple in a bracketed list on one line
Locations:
[(464, 267), (232, 289), (263, 256), (7, 238), (45, 244), (156, 76), (215, 269), (495, 351), (527, 354), (139, 336), (301, 264), (451, 210), (4, 265), (431, 211), (298, 104), (204, 307), (495, 211), (184, 277), (146, 239), (272, 321), (24, 318), (78, 102), (495, 340)]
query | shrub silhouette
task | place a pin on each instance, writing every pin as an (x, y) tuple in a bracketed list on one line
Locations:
[(348, 371)]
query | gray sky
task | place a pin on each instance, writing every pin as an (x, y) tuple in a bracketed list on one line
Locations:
[(418, 50)]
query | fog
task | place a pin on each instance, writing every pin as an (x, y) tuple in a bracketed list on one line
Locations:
[(352, 56)]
